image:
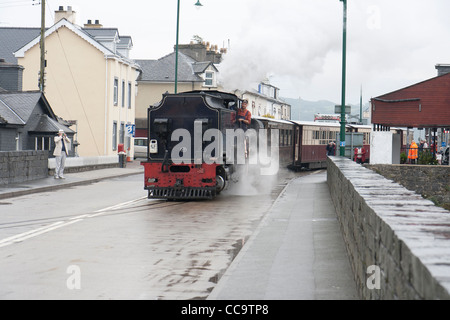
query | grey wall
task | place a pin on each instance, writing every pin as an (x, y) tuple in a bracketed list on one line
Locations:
[(20, 166), (393, 230)]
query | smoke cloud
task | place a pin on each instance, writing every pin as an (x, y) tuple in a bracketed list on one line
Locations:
[(293, 44)]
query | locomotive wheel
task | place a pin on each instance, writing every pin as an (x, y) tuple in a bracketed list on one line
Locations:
[(220, 183)]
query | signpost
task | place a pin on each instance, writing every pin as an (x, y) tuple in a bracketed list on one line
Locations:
[(130, 129), (344, 47), (337, 109)]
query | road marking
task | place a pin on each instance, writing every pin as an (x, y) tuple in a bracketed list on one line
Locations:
[(33, 233), (115, 207)]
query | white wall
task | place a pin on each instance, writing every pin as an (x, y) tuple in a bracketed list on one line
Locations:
[(385, 147), (381, 147)]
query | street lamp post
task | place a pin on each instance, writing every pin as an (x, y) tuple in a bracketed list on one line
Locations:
[(198, 5), (344, 45), (42, 48)]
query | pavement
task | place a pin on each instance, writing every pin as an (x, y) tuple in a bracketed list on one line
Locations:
[(296, 253), (71, 179)]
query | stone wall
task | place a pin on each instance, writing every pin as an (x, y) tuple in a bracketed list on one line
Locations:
[(20, 166), (397, 241), (432, 182)]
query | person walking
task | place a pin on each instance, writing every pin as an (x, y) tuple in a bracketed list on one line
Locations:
[(61, 151)]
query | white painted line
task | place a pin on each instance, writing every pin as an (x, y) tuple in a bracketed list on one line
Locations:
[(33, 233), (28, 233), (117, 206)]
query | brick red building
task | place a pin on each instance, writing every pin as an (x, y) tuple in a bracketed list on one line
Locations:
[(423, 105)]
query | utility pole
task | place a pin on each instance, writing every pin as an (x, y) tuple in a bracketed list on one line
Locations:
[(42, 46), (344, 45), (176, 46)]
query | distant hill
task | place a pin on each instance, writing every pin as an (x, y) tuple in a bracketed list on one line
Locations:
[(305, 110)]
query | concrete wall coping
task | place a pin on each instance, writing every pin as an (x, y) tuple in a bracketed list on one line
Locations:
[(85, 161)]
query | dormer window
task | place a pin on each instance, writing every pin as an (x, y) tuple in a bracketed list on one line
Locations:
[(209, 79)]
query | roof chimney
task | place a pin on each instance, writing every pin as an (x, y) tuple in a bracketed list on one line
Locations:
[(96, 24), (443, 69), (68, 14)]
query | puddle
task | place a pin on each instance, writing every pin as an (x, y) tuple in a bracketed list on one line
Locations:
[(237, 246)]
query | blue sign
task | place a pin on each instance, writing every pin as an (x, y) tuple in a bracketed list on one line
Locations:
[(130, 128), (342, 143), (444, 144)]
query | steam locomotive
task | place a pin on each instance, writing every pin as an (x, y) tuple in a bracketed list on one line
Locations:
[(195, 144)]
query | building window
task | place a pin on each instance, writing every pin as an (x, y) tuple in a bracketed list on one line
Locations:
[(116, 91), (123, 93), (122, 133), (114, 135), (129, 95), (42, 143), (209, 79)]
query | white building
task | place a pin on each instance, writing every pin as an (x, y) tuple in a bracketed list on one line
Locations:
[(266, 101)]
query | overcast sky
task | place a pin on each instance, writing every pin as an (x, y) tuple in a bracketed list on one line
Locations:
[(297, 43)]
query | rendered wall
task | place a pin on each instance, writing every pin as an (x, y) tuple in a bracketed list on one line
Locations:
[(384, 147)]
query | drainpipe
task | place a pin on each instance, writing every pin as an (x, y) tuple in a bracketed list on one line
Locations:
[(106, 104)]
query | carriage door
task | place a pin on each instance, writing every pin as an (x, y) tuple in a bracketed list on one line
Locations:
[(297, 144)]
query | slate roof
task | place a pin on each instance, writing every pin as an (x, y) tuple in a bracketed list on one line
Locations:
[(163, 69), (200, 67), (17, 107), (102, 32), (125, 41), (43, 123), (12, 39)]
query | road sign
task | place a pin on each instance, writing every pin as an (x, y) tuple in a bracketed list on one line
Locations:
[(337, 109), (130, 129)]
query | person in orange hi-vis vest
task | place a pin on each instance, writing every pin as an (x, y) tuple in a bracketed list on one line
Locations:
[(413, 152)]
